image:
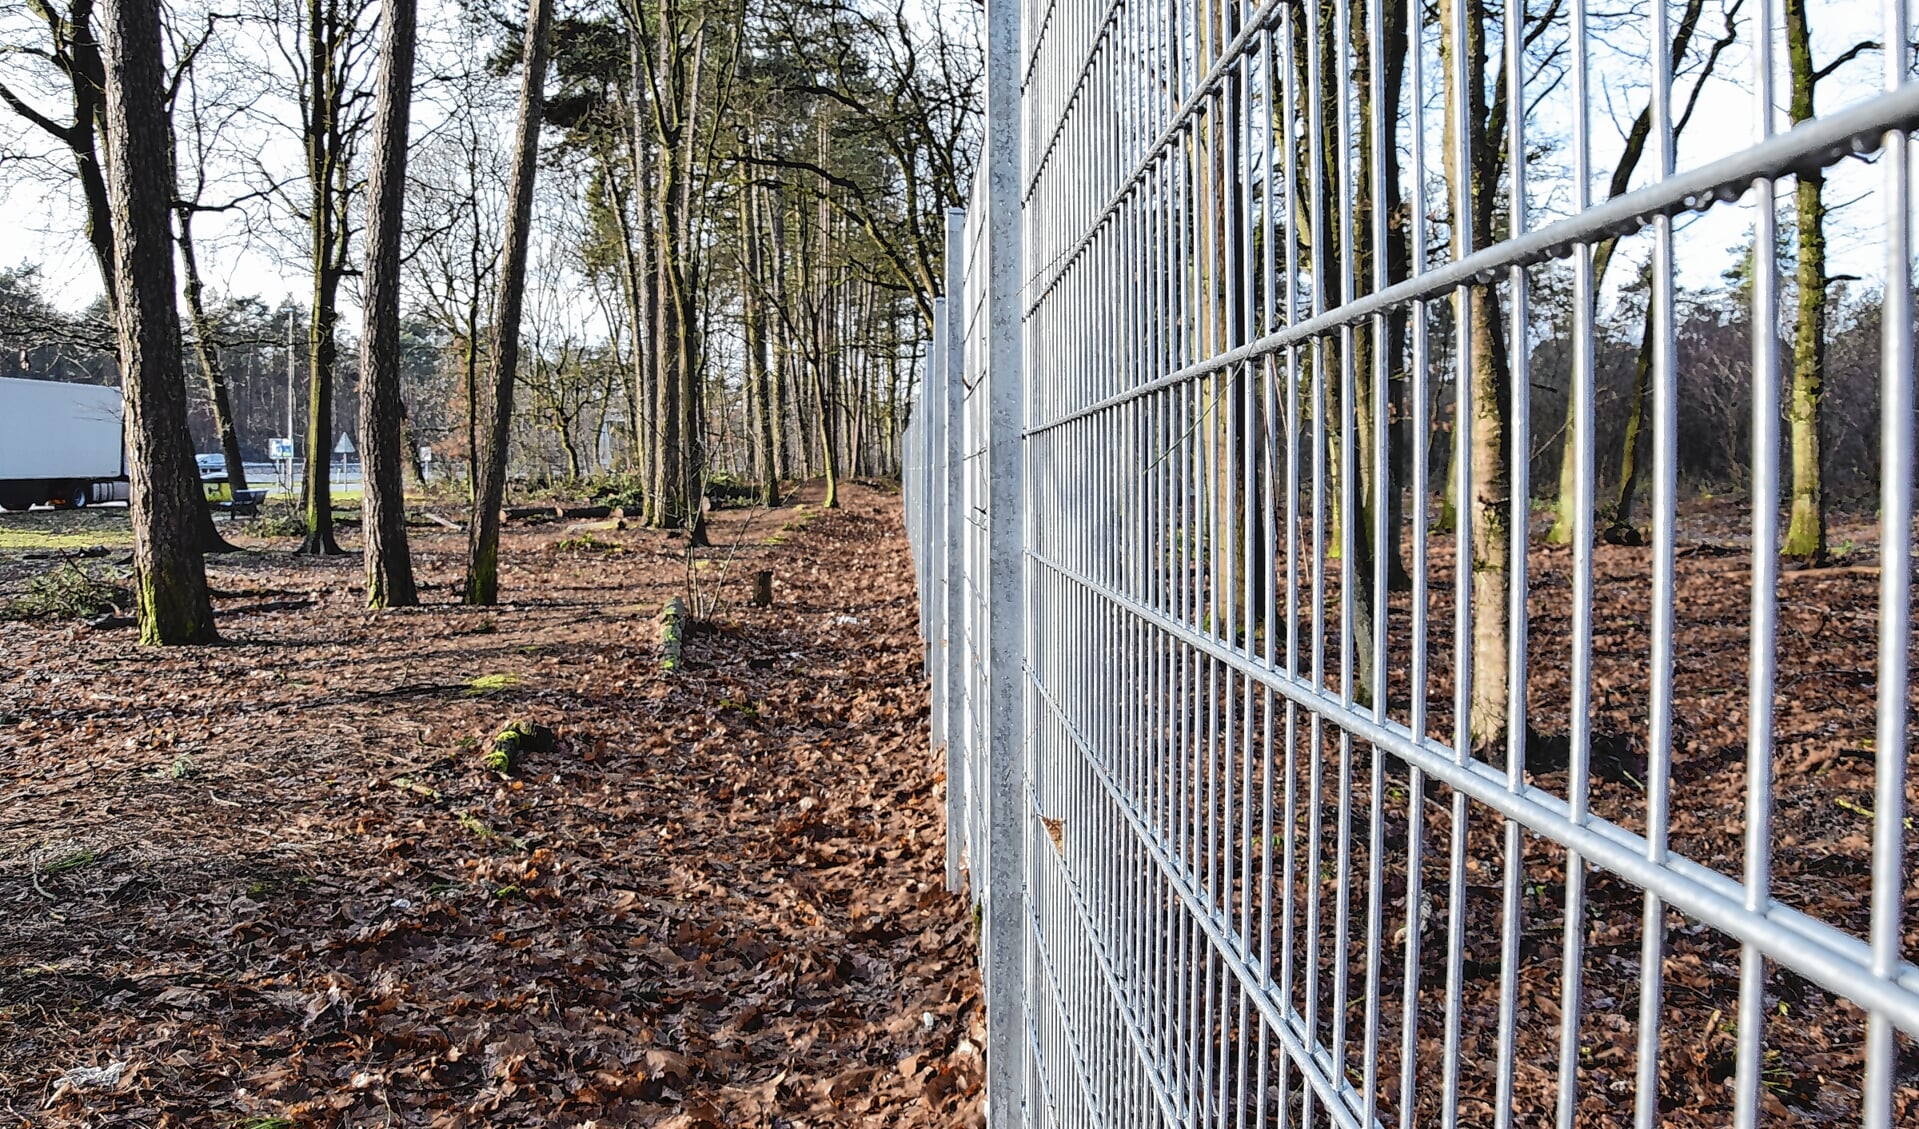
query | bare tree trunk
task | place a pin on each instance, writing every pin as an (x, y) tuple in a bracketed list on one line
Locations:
[(389, 569), (679, 480), (170, 584), (410, 448), (327, 173), (785, 394), (645, 285), (767, 459), (206, 350), (1487, 393), (483, 543), (1636, 138)]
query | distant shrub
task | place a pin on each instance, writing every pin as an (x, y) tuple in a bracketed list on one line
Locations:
[(724, 488), (279, 519)]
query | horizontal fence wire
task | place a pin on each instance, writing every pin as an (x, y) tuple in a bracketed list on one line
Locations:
[(1284, 759)]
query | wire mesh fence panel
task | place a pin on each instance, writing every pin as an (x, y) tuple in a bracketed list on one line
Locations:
[(1361, 704)]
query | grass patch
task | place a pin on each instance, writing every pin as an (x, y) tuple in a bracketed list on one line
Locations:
[(802, 517), (76, 860), (64, 530), (476, 827)]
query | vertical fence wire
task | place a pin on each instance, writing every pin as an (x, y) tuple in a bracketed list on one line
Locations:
[(1237, 734)]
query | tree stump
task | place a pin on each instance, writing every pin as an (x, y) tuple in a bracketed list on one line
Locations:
[(672, 633), (519, 737), (763, 589)]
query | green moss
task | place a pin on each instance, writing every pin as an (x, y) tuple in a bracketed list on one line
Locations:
[(586, 543), (169, 613), (483, 576), (491, 684)]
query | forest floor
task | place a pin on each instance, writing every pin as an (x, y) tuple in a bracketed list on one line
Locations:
[(271, 883)]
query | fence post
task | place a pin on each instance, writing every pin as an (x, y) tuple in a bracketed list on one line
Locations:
[(1005, 911), (931, 408), (949, 463)]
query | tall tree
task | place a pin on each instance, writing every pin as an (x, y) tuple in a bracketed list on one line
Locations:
[(389, 570), (75, 53), (682, 89), (170, 583), (193, 130), (334, 111), (1486, 374), (1620, 519), (483, 540), (758, 387), (1806, 528)]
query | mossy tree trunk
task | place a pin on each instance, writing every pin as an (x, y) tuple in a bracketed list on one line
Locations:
[(389, 569), (1806, 528), (170, 585), (1620, 529)]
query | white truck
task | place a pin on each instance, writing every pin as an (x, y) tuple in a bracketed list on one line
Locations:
[(60, 444)]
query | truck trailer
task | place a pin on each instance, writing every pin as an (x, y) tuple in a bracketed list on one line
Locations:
[(60, 444)]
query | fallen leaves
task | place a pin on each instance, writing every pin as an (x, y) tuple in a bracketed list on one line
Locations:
[(714, 900)]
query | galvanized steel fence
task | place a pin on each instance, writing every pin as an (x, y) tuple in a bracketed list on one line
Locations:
[(1250, 819)]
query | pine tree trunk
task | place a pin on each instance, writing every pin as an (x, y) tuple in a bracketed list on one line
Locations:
[(483, 539), (389, 570), (170, 585)]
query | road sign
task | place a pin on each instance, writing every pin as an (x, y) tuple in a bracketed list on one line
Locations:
[(279, 448), (344, 446)]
